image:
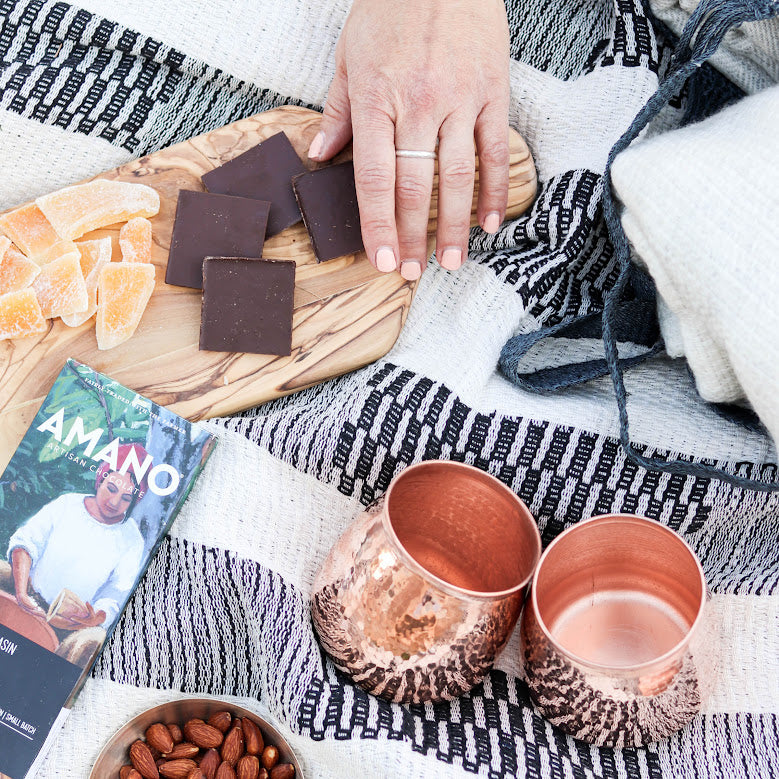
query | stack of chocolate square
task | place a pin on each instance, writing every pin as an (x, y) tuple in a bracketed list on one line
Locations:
[(218, 237)]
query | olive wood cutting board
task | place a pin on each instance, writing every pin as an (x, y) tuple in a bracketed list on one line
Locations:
[(346, 314)]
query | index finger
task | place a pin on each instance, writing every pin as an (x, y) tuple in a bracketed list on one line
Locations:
[(374, 178)]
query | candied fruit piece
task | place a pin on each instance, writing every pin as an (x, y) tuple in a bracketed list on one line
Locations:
[(123, 291), (60, 250), (16, 270), (94, 255), (82, 208), (32, 232), (61, 288), (20, 314), (135, 240)]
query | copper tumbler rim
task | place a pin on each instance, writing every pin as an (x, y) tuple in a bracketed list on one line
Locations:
[(638, 667), (448, 587)]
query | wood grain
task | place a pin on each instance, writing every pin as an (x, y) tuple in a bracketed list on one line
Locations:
[(346, 313)]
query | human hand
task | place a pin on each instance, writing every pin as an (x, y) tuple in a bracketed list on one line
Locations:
[(407, 74), (29, 605), (72, 613), (91, 619)]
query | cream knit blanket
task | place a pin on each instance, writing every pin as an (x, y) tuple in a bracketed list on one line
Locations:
[(223, 608)]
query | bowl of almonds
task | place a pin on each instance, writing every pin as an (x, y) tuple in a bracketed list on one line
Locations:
[(197, 738)]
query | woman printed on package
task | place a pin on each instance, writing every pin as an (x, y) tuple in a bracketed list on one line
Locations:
[(85, 546)]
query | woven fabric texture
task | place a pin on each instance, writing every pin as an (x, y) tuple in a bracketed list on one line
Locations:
[(223, 608)]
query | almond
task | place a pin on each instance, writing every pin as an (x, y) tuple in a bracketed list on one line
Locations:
[(124, 771), (225, 771), (209, 763), (221, 720), (184, 749), (133, 774), (205, 736), (270, 756), (195, 773), (142, 760), (263, 774), (252, 737), (248, 767), (158, 737), (175, 733), (282, 771), (232, 748), (177, 769)]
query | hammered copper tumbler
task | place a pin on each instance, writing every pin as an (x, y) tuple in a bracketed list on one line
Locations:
[(422, 591), (615, 641)]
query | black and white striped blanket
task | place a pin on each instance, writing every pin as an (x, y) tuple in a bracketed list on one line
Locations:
[(223, 608)]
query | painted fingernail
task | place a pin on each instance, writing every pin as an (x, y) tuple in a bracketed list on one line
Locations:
[(385, 259), (411, 269), (452, 258), (491, 222), (316, 146)]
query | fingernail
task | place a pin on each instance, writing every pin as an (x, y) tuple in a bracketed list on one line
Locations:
[(491, 222), (385, 259), (452, 258), (411, 269), (316, 146)]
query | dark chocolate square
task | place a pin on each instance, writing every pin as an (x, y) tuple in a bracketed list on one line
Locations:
[(247, 305), (328, 201), (264, 172), (209, 225)]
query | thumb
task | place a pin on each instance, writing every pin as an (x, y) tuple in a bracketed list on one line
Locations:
[(335, 131)]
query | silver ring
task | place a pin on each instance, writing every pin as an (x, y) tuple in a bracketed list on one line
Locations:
[(419, 155)]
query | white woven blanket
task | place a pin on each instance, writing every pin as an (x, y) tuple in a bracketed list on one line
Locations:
[(223, 608), (701, 209)]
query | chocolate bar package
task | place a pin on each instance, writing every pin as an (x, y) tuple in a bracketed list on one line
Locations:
[(85, 501)]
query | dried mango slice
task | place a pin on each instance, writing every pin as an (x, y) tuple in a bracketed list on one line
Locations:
[(16, 270), (135, 240), (32, 232), (20, 314), (76, 210), (61, 288), (94, 255), (60, 250), (123, 291)]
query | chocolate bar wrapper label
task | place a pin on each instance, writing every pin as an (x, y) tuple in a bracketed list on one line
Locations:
[(84, 504)]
